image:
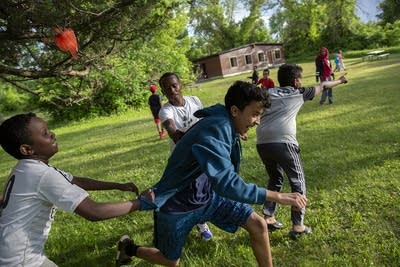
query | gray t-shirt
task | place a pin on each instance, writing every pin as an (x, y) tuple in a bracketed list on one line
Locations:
[(278, 123)]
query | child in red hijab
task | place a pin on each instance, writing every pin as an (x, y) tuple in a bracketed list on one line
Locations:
[(324, 70)]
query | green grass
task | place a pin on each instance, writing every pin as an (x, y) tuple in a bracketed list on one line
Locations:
[(351, 157)]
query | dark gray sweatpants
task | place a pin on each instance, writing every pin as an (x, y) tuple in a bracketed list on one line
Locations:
[(280, 159)]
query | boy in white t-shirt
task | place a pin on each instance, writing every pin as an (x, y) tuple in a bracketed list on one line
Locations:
[(177, 117), (34, 191)]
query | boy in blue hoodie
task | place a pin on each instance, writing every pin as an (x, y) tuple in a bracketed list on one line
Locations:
[(211, 146)]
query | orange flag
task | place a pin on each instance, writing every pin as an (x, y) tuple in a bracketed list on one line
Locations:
[(66, 41)]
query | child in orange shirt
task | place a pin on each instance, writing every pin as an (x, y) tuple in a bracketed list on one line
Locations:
[(265, 81)]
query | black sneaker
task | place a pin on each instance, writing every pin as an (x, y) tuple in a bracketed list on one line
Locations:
[(123, 258), (275, 226), (295, 235)]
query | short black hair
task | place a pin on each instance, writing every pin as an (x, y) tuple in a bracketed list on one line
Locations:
[(14, 133), (241, 94), (166, 75), (287, 73)]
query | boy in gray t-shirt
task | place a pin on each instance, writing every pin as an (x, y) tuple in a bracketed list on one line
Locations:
[(277, 145)]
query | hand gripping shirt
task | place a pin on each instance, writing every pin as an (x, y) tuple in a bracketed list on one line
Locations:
[(32, 195)]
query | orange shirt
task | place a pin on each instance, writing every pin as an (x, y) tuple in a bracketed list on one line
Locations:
[(266, 83)]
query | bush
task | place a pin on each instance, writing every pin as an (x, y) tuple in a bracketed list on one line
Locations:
[(11, 100)]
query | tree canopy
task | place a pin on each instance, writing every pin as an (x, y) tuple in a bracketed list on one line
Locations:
[(107, 31), (390, 11), (26, 32), (125, 44), (215, 27)]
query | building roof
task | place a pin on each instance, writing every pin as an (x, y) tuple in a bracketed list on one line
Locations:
[(235, 48)]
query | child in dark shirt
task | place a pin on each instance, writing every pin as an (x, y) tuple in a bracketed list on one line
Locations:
[(155, 106)]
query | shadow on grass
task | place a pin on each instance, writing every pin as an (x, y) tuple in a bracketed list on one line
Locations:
[(94, 243), (113, 148), (100, 249)]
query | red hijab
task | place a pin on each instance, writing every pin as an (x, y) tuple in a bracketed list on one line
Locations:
[(324, 58)]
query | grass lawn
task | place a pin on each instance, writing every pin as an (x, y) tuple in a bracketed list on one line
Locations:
[(351, 157)]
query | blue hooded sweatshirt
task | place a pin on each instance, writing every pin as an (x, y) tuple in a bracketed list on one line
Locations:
[(212, 147)]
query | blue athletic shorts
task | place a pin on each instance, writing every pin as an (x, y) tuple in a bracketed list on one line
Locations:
[(171, 230)]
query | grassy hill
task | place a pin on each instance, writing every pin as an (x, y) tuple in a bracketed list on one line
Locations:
[(351, 157)]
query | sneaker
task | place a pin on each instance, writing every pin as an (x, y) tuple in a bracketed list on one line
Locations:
[(275, 226), (122, 258), (205, 232), (272, 226), (295, 235)]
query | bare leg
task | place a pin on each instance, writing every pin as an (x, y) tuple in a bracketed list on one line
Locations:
[(161, 132), (258, 230), (269, 219), (159, 128), (155, 256)]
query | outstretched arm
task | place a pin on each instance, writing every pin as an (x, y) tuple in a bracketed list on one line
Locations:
[(95, 211), (329, 84), (91, 184)]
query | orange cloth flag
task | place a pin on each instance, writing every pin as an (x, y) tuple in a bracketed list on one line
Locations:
[(66, 41)]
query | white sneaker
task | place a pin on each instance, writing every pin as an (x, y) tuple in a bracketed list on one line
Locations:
[(205, 232)]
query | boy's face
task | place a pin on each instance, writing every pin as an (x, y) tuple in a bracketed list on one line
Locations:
[(171, 88), (244, 119), (43, 142)]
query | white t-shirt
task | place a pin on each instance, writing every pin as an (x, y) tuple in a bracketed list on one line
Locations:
[(182, 116), (33, 193)]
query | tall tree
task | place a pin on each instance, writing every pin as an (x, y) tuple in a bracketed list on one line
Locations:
[(26, 31), (30, 61), (298, 23), (340, 22), (390, 11), (216, 27), (253, 28), (304, 25)]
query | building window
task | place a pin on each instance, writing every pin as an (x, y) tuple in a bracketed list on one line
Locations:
[(233, 62), (248, 58), (261, 57), (277, 53)]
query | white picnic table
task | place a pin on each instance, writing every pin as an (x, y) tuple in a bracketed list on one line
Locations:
[(375, 55)]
